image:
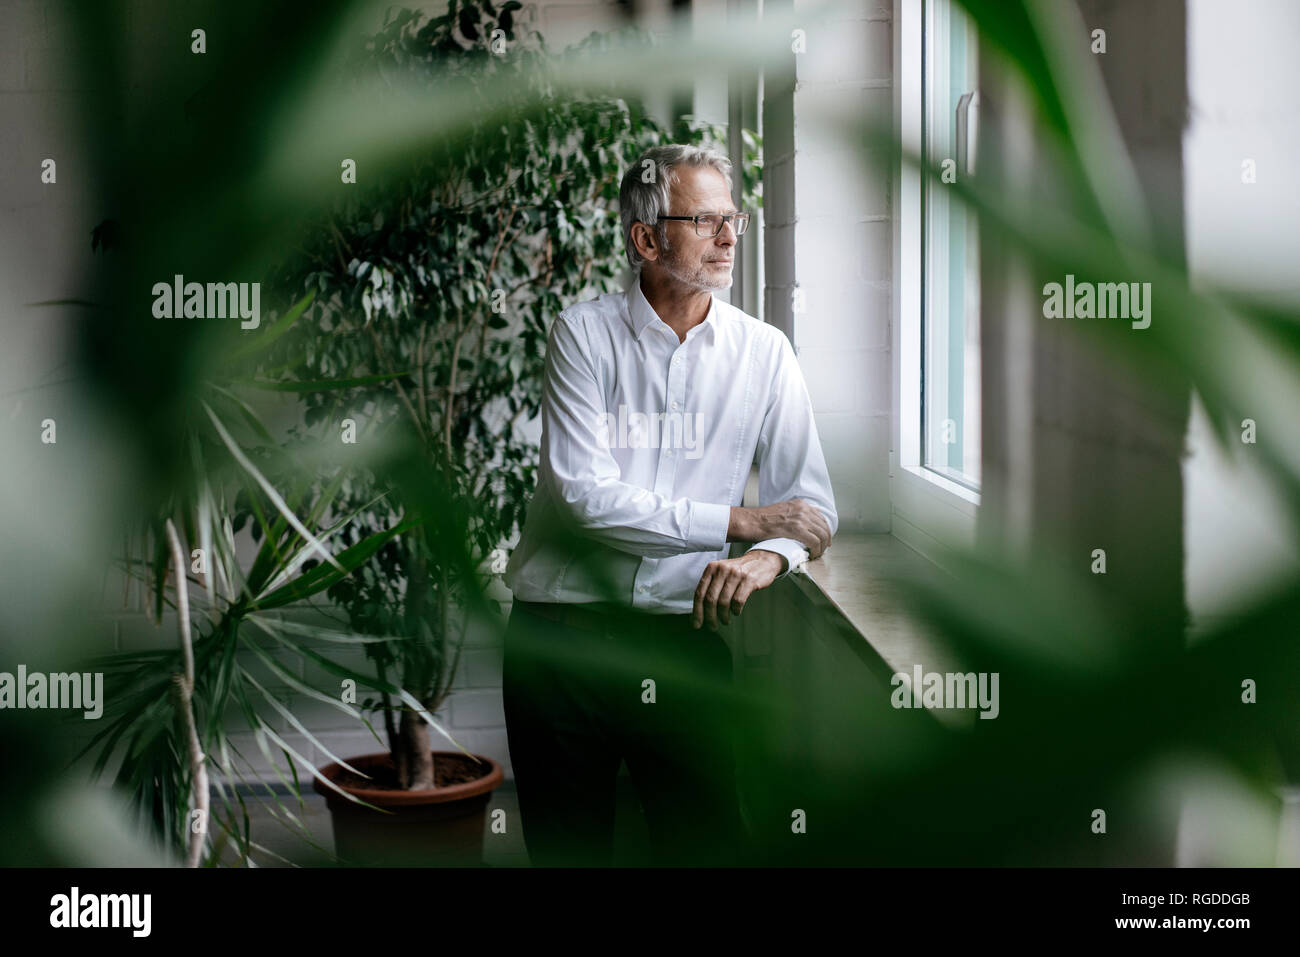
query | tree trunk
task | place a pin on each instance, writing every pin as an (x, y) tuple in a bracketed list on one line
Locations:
[(414, 753)]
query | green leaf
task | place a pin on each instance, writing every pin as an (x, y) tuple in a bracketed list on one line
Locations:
[(270, 491), (321, 577), (293, 720), (322, 385), (419, 709), (284, 745), (274, 331), (291, 679)]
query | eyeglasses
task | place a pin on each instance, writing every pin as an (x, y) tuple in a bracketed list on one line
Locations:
[(710, 224)]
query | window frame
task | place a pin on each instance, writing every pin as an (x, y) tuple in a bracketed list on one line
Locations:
[(929, 512)]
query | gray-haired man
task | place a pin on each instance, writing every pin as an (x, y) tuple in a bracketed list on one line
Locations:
[(657, 401)]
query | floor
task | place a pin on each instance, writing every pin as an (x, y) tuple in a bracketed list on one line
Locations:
[(286, 847)]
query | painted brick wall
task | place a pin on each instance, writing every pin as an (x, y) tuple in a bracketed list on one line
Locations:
[(828, 258)]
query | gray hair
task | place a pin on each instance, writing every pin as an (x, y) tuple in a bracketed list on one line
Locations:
[(644, 202)]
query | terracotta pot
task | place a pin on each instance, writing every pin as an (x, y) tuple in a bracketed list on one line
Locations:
[(436, 827)]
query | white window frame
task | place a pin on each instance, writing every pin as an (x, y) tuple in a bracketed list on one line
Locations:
[(930, 512)]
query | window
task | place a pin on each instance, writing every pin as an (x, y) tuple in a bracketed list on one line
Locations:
[(935, 454), (950, 374)]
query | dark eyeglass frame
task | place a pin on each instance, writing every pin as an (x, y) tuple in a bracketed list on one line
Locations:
[(741, 222)]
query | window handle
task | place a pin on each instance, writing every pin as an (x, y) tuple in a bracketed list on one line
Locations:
[(968, 114)]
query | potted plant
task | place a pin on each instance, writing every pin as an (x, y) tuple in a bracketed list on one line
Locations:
[(436, 282), (167, 710)]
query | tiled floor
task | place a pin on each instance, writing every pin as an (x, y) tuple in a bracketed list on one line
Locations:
[(499, 850)]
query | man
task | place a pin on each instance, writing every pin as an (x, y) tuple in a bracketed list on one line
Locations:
[(656, 403)]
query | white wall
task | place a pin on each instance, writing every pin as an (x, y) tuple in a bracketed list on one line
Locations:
[(828, 239), (1243, 78)]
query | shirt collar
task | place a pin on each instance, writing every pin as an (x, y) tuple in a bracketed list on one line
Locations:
[(642, 314)]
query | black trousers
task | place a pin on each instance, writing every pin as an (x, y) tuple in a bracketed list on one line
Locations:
[(645, 689)]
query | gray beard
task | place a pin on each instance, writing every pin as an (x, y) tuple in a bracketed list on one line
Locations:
[(696, 281)]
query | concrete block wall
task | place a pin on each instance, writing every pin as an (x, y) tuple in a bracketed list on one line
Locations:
[(828, 256)]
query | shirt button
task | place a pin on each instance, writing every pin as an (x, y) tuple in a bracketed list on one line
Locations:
[(643, 588), (676, 405), (668, 453), (677, 360)]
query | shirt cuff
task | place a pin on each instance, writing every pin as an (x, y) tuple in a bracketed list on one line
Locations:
[(708, 527), (793, 551)]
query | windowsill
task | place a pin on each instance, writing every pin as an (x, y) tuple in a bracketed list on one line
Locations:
[(858, 579), (959, 496), (861, 579), (932, 514)]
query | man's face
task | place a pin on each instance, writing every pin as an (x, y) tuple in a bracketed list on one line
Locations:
[(700, 262)]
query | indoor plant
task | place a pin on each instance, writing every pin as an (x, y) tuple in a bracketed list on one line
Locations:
[(166, 711)]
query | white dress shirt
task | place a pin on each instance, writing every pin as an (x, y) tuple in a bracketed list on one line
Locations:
[(647, 443)]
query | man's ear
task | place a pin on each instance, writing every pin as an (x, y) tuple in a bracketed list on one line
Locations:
[(645, 241)]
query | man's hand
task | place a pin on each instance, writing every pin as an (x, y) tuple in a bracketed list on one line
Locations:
[(727, 584), (795, 518)]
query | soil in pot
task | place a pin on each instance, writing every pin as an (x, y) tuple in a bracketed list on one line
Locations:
[(448, 769)]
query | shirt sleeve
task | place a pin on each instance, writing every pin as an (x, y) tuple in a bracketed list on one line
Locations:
[(789, 456), (580, 471)]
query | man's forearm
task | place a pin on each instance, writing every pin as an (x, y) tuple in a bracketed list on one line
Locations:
[(795, 519), (745, 525), (757, 524)]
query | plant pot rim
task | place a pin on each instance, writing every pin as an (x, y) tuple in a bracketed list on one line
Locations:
[(382, 798)]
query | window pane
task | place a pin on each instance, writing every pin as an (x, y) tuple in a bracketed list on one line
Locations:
[(950, 375)]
